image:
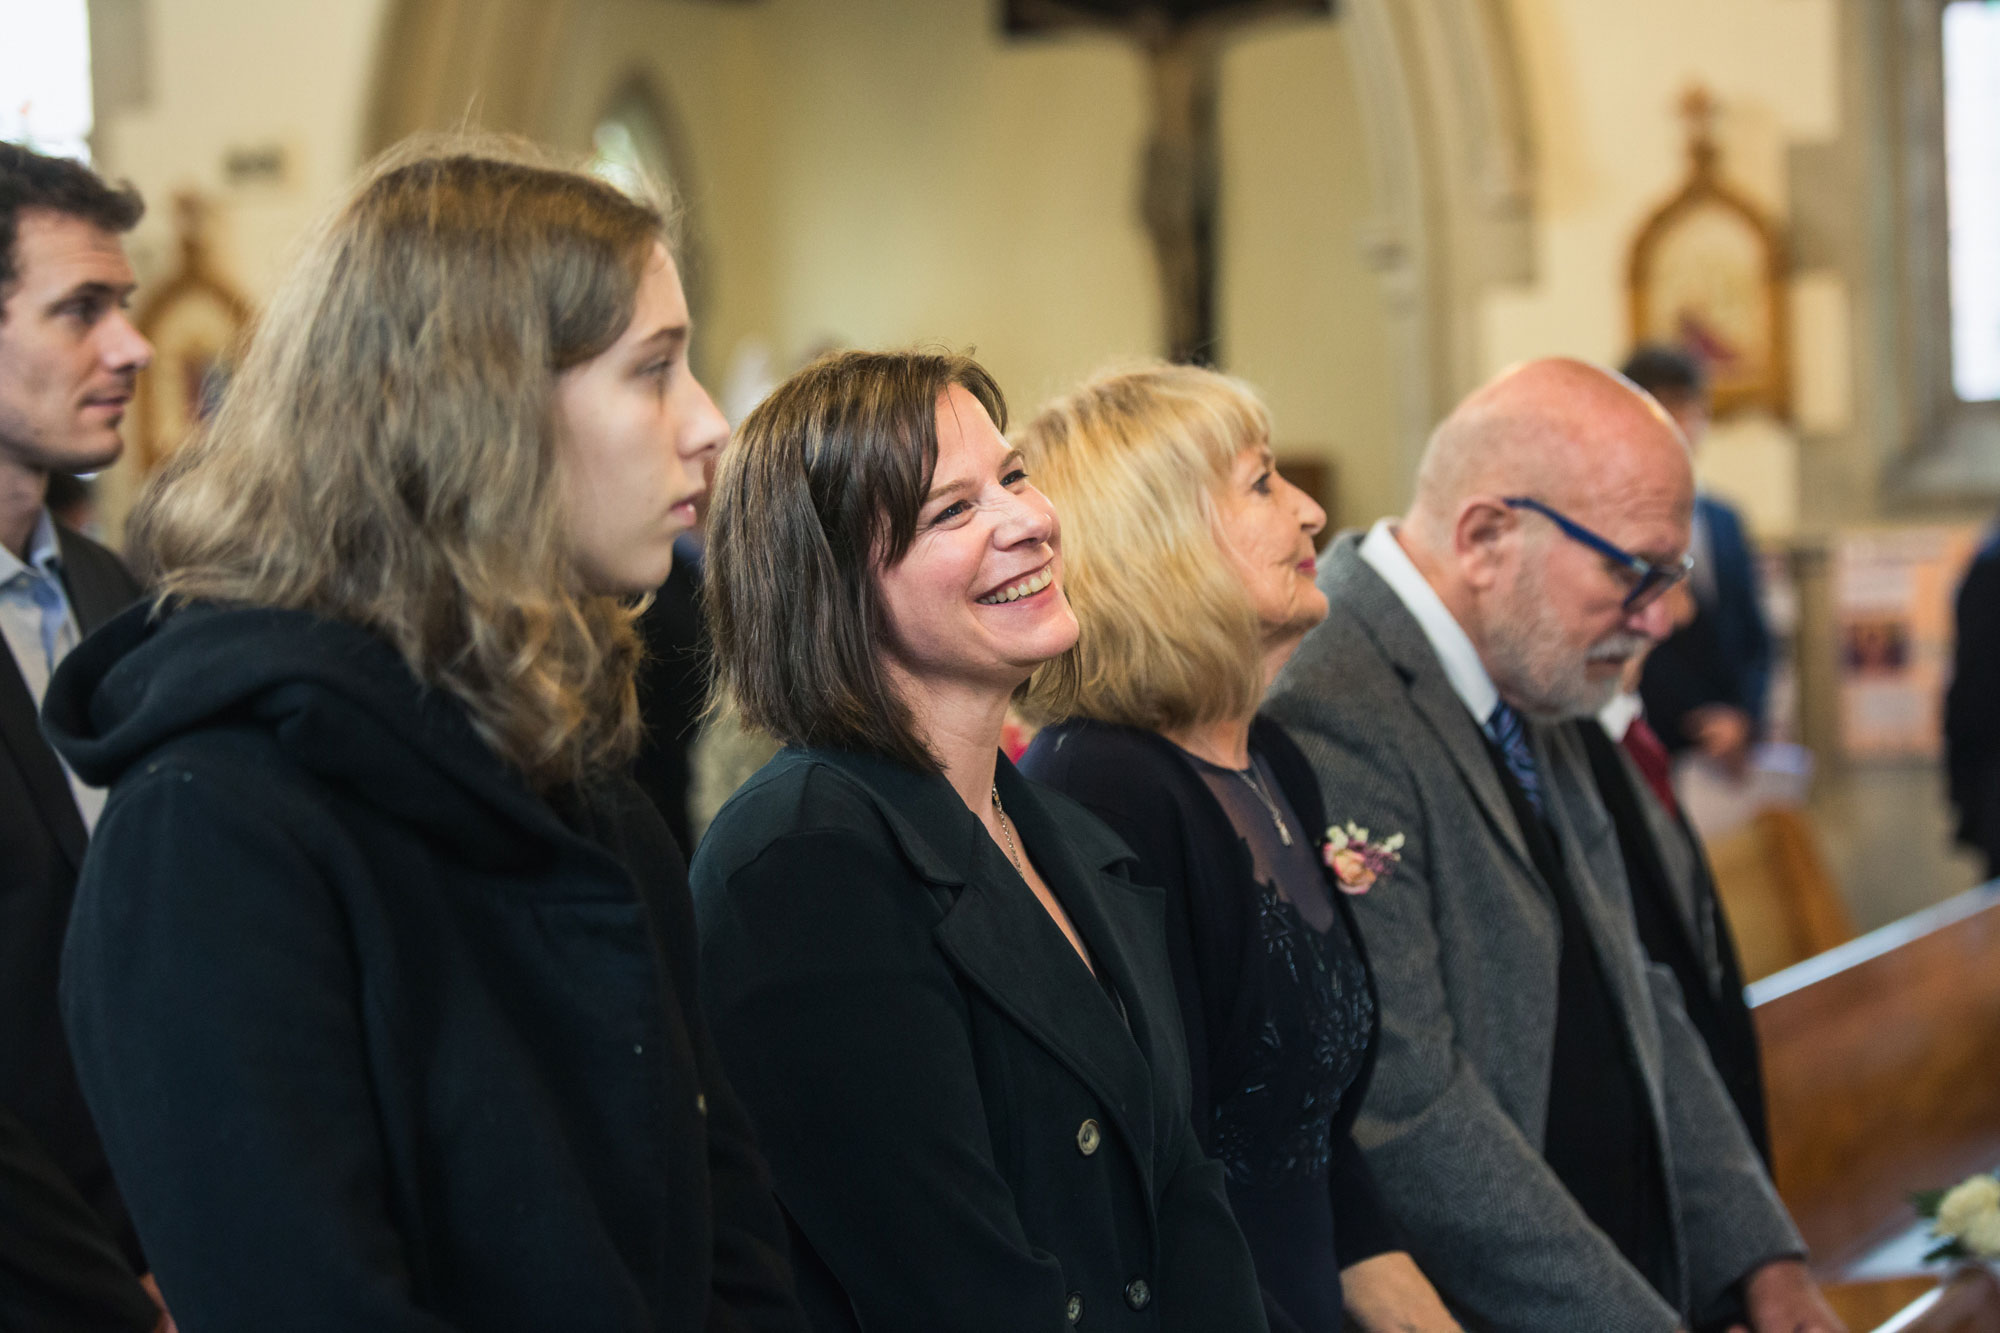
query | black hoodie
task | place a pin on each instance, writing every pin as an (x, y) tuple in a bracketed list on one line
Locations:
[(374, 1036)]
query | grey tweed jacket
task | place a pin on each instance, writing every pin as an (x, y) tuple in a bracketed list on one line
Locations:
[(1464, 936)]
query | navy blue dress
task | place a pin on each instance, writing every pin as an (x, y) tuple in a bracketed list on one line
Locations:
[(1274, 988)]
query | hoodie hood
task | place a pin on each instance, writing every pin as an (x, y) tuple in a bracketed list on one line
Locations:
[(337, 700)]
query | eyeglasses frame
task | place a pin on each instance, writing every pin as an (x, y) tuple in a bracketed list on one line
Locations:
[(1653, 579)]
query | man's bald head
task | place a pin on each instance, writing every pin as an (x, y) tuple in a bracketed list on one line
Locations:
[(1563, 431), (1548, 611)]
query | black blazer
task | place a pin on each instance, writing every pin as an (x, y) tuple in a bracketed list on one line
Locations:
[(966, 1131), (52, 1255), (1715, 1005), (378, 1038)]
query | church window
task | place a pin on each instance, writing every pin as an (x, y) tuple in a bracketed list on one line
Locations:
[(45, 75), (1971, 33)]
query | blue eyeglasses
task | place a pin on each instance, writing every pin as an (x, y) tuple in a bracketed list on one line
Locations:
[(1649, 580)]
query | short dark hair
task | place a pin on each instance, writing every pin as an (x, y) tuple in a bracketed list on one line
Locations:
[(31, 180), (821, 489), (1666, 372)]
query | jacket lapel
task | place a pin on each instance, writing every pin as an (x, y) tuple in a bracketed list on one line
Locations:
[(1002, 941), (94, 594), (1401, 640), (41, 771)]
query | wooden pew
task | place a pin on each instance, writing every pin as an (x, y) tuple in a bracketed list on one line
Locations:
[(1774, 886), (1968, 1303), (1882, 1069)]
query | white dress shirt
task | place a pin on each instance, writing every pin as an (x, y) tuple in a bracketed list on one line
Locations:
[(1448, 638)]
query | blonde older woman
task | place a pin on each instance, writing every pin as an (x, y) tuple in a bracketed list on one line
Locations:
[(1190, 566)]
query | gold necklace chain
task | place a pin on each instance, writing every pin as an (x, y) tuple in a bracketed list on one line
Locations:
[(1007, 830), (1249, 775)]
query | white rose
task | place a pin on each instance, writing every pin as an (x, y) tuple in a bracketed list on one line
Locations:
[(1982, 1235), (1972, 1207)]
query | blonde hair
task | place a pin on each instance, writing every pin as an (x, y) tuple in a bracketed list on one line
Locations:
[(1133, 461), (387, 453)]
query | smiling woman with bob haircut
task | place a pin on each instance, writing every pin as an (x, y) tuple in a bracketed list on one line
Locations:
[(1191, 570), (381, 980), (943, 1001)]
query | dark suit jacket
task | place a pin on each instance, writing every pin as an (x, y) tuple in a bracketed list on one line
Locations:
[(1972, 707), (1724, 655), (967, 1130), (1682, 926), (44, 1241)]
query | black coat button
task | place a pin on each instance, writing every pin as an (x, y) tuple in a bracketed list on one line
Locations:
[(1088, 1136), (1137, 1294), (1073, 1307)]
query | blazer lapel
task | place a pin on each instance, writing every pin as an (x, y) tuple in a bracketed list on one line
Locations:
[(1401, 640), (41, 771), (1005, 944), (1001, 940), (95, 595)]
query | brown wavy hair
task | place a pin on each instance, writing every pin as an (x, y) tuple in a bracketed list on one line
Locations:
[(387, 454), (819, 491)]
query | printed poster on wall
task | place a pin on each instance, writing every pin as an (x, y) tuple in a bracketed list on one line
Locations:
[(1892, 603)]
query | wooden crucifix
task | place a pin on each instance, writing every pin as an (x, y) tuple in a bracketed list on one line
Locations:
[(1182, 41)]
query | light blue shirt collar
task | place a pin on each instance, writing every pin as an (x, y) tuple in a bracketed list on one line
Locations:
[(1448, 639), (44, 555)]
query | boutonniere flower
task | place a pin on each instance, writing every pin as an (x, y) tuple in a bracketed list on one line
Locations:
[(1356, 862)]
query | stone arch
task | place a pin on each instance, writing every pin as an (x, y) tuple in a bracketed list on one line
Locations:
[(1451, 156)]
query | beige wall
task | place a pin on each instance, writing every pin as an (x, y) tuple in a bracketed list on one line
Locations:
[(894, 171), (1604, 82), (224, 75), (877, 172), (236, 74), (1301, 314)]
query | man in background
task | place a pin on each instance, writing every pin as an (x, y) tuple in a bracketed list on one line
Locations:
[(1674, 899), (69, 359), (1705, 686), (1972, 705)]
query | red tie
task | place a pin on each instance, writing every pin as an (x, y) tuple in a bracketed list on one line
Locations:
[(1643, 744)]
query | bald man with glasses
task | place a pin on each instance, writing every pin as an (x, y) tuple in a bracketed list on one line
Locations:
[(1543, 1120)]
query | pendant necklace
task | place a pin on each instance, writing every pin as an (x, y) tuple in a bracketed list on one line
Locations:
[(1249, 775), (1013, 852)]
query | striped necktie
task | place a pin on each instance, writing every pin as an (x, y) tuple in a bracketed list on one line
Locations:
[(1510, 733)]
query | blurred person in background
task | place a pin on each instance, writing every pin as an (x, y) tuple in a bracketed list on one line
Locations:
[(1706, 686), (1674, 901), (1190, 564), (69, 361), (1972, 706)]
